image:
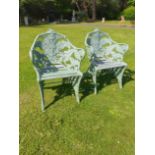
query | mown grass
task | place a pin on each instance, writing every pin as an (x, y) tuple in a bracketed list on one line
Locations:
[(101, 124)]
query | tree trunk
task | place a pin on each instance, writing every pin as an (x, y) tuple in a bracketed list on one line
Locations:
[(77, 5), (85, 7), (123, 4), (93, 10)]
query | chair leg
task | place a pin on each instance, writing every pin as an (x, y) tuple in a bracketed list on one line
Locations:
[(94, 81), (76, 85), (120, 76), (41, 87), (93, 73)]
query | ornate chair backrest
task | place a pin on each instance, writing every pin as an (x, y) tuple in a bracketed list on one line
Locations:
[(54, 49), (100, 46)]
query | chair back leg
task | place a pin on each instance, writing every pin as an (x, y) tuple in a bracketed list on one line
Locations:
[(119, 76)]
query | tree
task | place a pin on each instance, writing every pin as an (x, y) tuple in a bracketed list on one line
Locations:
[(110, 9), (123, 4), (38, 9), (131, 2), (82, 6), (93, 10), (86, 7), (63, 8), (77, 4), (33, 8)]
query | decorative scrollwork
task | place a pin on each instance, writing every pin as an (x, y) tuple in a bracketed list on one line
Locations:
[(52, 49), (100, 46)]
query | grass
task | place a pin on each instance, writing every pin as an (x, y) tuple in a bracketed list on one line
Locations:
[(101, 124)]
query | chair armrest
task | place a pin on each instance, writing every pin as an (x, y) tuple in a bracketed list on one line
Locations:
[(81, 53), (116, 51), (124, 46), (71, 59)]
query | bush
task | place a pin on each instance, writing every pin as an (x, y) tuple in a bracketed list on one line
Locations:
[(129, 13)]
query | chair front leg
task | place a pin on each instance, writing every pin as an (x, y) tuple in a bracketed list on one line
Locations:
[(41, 87), (119, 76), (94, 81), (76, 84)]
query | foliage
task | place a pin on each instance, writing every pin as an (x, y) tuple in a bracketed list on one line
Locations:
[(42, 8), (58, 10), (109, 9), (131, 2), (63, 8), (82, 16), (85, 8), (129, 13), (123, 4), (101, 124), (36, 8), (100, 8)]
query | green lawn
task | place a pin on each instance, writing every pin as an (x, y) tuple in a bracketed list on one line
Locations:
[(101, 124)]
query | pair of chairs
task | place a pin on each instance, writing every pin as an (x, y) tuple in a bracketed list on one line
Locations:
[(53, 56)]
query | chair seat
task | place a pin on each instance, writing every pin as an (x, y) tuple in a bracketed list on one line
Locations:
[(107, 64), (59, 74)]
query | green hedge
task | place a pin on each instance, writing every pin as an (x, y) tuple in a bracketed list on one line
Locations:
[(129, 13)]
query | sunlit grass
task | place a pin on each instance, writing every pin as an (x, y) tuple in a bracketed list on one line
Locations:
[(101, 124)]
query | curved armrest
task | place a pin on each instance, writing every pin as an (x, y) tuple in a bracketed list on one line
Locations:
[(81, 53), (123, 46), (71, 58)]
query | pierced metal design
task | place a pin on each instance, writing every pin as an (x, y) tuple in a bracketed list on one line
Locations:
[(104, 53), (54, 56)]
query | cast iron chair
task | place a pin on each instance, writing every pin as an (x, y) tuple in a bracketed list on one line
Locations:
[(53, 56), (105, 54)]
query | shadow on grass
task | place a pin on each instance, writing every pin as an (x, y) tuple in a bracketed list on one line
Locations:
[(86, 86), (62, 91), (103, 80)]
